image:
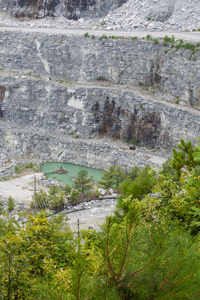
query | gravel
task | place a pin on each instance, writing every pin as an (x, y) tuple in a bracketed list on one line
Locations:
[(154, 15)]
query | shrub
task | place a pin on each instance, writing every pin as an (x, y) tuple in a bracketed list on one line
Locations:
[(86, 34), (148, 37), (11, 204), (42, 201), (19, 168), (73, 196), (82, 183)]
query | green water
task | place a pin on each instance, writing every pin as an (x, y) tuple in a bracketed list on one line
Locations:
[(72, 171)]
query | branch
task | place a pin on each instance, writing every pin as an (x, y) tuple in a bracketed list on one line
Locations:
[(79, 281), (126, 250), (55, 293), (170, 274), (172, 283), (107, 249), (138, 271), (93, 292)]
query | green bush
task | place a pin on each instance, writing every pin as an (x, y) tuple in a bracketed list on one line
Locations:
[(86, 34), (82, 183), (11, 204), (74, 196), (148, 37), (56, 197), (112, 177), (19, 168), (42, 201)]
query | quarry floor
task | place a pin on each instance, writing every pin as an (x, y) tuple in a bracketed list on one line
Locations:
[(21, 189)]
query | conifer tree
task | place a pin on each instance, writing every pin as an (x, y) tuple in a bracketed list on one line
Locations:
[(11, 204), (184, 157), (82, 182)]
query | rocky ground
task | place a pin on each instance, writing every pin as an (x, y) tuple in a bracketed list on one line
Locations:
[(154, 15), (90, 214), (21, 188)]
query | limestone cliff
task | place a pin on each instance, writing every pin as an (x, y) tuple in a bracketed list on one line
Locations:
[(56, 91), (71, 9)]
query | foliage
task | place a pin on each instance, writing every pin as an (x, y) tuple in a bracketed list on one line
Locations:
[(1, 207), (86, 34), (45, 260), (167, 169), (82, 183), (19, 168), (149, 262), (56, 197), (23, 255), (112, 177), (184, 158), (11, 204), (41, 201), (67, 189), (151, 252), (134, 141), (138, 187), (177, 44), (74, 196)]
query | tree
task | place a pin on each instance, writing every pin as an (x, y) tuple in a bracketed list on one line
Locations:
[(149, 261), (41, 200), (184, 157), (137, 188), (11, 204), (56, 197), (1, 207), (112, 177), (82, 183), (73, 196)]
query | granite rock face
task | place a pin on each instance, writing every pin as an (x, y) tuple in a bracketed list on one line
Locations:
[(57, 92), (155, 15), (83, 60), (71, 9), (90, 111)]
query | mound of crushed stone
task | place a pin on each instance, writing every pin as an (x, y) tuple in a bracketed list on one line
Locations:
[(155, 15)]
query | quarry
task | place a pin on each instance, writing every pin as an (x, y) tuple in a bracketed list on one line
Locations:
[(78, 80)]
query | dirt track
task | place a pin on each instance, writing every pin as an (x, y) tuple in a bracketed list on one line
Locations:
[(191, 36), (20, 189)]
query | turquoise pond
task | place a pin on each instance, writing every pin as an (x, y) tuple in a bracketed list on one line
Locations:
[(72, 172)]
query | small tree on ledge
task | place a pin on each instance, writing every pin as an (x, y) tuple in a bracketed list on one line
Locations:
[(11, 204), (82, 183)]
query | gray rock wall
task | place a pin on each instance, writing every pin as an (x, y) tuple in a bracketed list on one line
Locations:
[(56, 147), (52, 89), (71, 9), (75, 110), (80, 59)]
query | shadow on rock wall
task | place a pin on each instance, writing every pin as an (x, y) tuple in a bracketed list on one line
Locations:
[(71, 9), (141, 126)]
